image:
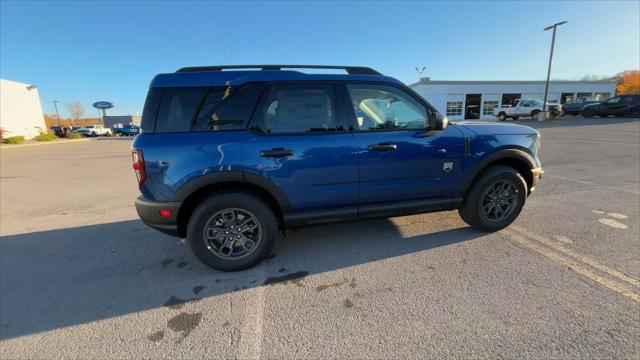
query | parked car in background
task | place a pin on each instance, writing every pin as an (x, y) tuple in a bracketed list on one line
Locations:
[(574, 108), (127, 130), (525, 108), (228, 158), (59, 131), (93, 130), (63, 131), (623, 105)]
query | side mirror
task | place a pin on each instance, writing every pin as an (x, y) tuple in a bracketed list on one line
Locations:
[(440, 122)]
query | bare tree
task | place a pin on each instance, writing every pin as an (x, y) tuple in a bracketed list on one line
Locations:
[(75, 109)]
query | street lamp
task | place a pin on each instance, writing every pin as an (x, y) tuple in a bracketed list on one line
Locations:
[(55, 104), (546, 85)]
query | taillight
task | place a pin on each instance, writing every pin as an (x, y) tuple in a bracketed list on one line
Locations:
[(138, 165)]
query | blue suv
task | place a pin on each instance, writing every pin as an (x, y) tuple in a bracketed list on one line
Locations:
[(230, 155)]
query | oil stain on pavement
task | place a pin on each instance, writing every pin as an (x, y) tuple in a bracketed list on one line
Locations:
[(184, 323)]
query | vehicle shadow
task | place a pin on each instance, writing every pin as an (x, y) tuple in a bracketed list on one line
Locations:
[(71, 276)]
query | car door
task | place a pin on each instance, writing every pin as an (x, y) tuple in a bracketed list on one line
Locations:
[(299, 144), (523, 109), (399, 158), (612, 106)]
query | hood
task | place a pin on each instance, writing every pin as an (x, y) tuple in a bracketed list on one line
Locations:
[(492, 128)]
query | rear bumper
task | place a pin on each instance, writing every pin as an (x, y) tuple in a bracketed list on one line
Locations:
[(149, 213)]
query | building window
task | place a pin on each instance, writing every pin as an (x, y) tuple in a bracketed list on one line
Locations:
[(509, 100), (583, 94), (454, 108), (566, 98), (488, 107)]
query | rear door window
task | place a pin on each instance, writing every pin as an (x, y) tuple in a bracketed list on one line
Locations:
[(225, 108), (297, 108)]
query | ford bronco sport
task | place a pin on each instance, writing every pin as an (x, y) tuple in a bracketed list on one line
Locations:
[(230, 155)]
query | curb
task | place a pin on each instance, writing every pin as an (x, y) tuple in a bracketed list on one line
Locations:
[(9, 146)]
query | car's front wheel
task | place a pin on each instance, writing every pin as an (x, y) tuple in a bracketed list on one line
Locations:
[(232, 231), (495, 199), (502, 116)]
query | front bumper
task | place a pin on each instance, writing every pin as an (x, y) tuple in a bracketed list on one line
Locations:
[(537, 175), (149, 213)]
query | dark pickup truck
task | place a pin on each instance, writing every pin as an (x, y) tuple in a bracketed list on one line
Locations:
[(623, 105)]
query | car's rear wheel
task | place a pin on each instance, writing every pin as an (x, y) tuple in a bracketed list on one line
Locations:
[(495, 200), (534, 114), (232, 231), (588, 113), (502, 116)]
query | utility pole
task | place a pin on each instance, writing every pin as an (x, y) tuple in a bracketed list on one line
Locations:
[(55, 104), (546, 85)]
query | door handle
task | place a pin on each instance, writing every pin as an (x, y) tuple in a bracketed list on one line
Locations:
[(277, 152), (382, 147)]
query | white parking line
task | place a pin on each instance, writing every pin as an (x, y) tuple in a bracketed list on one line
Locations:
[(587, 260), (617, 215), (614, 224), (612, 285)]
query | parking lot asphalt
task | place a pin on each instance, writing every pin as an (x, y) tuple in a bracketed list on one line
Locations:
[(82, 277)]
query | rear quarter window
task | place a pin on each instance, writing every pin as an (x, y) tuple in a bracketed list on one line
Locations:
[(177, 108), (148, 121), (215, 108)]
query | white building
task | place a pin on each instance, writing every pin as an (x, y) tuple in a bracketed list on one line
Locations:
[(476, 99), (20, 110)]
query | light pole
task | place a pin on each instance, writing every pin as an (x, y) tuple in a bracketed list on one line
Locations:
[(546, 85), (55, 104)]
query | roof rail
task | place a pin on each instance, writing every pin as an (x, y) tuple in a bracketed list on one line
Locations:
[(351, 70)]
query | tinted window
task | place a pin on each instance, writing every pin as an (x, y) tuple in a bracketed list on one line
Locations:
[(297, 108), (380, 107), (177, 108), (148, 121), (224, 108)]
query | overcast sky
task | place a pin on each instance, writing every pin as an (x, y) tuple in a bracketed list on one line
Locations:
[(90, 51)]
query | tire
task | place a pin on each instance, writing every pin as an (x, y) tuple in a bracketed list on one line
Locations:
[(502, 116), (635, 113), (472, 211), (212, 252), (534, 114), (588, 114)]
